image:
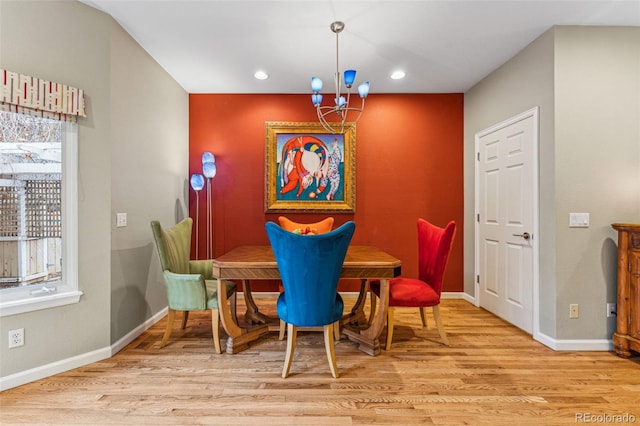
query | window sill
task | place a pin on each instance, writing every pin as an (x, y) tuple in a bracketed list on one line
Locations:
[(38, 303)]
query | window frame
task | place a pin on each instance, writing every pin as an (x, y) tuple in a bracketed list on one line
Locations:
[(19, 300)]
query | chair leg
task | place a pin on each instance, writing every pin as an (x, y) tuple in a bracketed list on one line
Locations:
[(389, 328), (185, 317), (167, 332), (423, 317), (330, 348), (292, 332), (215, 329), (436, 316), (336, 330), (283, 326)]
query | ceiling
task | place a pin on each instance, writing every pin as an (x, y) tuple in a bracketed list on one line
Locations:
[(444, 46)]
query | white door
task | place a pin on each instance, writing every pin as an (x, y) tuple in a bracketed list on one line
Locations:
[(506, 219)]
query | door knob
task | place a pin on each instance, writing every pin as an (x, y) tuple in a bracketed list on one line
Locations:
[(524, 235)]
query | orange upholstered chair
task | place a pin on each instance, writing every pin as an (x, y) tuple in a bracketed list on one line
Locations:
[(322, 227), (434, 247)]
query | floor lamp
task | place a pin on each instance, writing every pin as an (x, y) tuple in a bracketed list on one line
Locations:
[(197, 183), (209, 171)]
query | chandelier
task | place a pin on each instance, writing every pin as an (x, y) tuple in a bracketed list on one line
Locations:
[(338, 116)]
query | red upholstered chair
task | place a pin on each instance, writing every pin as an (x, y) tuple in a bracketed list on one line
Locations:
[(434, 247)]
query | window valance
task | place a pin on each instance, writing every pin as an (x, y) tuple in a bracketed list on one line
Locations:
[(30, 95)]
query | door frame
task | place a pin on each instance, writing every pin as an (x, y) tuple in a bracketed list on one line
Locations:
[(533, 112)]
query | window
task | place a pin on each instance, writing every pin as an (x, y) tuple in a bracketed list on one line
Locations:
[(38, 213)]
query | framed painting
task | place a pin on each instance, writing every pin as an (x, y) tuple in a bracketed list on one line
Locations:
[(309, 169)]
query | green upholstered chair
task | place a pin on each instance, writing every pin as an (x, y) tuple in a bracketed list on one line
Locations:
[(190, 283)]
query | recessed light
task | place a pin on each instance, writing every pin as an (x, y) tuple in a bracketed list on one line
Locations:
[(397, 75), (261, 75)]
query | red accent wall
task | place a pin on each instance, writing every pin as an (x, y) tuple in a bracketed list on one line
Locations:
[(409, 164)]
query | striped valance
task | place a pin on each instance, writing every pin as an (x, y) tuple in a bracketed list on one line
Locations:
[(30, 95)]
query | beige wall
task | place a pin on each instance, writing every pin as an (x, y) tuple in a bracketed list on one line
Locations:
[(150, 160), (130, 160), (597, 81), (585, 82)]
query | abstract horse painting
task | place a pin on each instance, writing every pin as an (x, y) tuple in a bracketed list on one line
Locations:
[(308, 169)]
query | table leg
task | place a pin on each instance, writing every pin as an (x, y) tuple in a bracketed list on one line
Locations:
[(239, 338), (252, 315), (368, 338), (357, 317)]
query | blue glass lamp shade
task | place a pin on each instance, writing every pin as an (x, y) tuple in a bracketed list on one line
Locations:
[(316, 84), (340, 101), (197, 181), (209, 170), (208, 157), (316, 99), (363, 89), (349, 78)]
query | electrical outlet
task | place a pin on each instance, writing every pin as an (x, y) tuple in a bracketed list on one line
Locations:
[(611, 310), (16, 338), (574, 311)]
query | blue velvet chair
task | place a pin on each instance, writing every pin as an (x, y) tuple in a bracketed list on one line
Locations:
[(310, 267)]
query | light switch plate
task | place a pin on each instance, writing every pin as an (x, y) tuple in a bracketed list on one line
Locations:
[(121, 220), (578, 220)]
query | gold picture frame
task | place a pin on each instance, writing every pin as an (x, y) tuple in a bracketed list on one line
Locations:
[(309, 169)]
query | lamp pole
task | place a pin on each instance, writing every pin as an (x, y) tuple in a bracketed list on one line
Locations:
[(209, 171)]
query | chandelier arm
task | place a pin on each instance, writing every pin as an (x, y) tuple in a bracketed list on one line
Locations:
[(337, 77)]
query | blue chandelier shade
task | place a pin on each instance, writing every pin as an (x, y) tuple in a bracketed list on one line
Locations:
[(209, 169), (349, 78), (208, 157), (316, 98), (197, 181), (316, 84), (363, 89)]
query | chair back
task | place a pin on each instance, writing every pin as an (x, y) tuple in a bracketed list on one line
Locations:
[(310, 267), (434, 247), (174, 245), (321, 227)]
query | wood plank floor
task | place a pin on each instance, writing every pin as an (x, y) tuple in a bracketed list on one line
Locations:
[(492, 373)]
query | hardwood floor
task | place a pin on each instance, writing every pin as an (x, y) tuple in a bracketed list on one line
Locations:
[(492, 373)]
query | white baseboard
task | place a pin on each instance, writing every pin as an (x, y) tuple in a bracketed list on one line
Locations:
[(133, 334), (575, 344), (550, 342), (57, 367), (48, 370)]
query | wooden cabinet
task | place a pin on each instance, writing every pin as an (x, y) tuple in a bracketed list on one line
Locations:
[(627, 336)]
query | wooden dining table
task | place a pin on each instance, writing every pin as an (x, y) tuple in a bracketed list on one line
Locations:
[(248, 263)]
